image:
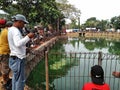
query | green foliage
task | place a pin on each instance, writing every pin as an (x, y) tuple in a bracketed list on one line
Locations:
[(94, 23), (102, 25), (115, 22), (36, 11), (46, 11), (114, 48)]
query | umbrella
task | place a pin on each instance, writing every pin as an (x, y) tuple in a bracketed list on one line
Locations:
[(3, 12)]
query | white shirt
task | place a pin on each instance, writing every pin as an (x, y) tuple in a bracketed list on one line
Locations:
[(17, 42)]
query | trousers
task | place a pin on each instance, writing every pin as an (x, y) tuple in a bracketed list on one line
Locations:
[(17, 66)]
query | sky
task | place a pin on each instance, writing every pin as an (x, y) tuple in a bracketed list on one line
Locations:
[(101, 9)]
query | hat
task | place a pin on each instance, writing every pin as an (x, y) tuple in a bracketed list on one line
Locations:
[(2, 21), (40, 27), (9, 23), (20, 17), (97, 75)]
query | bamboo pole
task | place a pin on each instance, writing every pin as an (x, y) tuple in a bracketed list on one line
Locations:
[(46, 68)]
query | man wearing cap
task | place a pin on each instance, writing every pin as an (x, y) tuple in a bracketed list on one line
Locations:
[(17, 44), (4, 52), (98, 83)]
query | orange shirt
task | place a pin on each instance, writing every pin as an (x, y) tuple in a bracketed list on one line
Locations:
[(4, 47)]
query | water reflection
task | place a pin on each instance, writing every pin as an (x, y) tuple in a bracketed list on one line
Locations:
[(93, 45)]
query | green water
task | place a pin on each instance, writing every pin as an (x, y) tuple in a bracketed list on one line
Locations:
[(67, 73)]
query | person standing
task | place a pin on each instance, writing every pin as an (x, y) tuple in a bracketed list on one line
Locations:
[(4, 51), (98, 83), (17, 44)]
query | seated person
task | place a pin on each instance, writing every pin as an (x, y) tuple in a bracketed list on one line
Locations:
[(98, 83), (116, 74)]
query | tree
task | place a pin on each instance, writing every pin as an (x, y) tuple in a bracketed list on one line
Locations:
[(115, 21), (92, 22), (102, 25), (36, 11), (70, 12), (41, 11)]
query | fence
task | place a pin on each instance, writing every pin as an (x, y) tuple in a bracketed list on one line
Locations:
[(69, 71)]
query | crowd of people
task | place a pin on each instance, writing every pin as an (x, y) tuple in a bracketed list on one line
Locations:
[(15, 38)]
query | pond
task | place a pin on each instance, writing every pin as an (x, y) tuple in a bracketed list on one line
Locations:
[(66, 73), (92, 45)]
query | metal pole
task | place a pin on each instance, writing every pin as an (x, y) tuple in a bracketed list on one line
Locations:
[(46, 68), (100, 58)]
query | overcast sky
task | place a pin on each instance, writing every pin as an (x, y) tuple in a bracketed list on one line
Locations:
[(101, 9)]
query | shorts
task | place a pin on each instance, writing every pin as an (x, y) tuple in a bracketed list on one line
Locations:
[(4, 64)]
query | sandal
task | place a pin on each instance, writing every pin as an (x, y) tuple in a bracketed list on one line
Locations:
[(116, 74)]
